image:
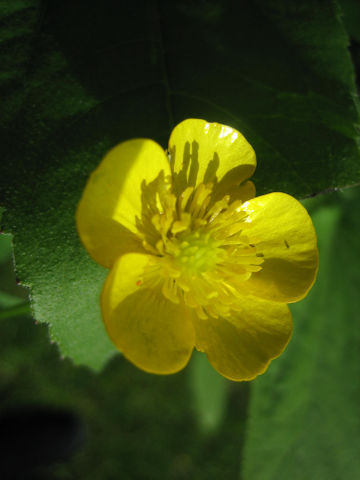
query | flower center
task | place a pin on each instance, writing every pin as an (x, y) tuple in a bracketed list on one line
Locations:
[(201, 251), (198, 252)]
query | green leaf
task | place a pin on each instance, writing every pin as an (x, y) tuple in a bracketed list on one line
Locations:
[(12, 308), (304, 412), (13, 297), (79, 77), (351, 9), (209, 392)]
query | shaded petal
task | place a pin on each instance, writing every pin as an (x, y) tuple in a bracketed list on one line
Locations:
[(152, 332), (243, 192), (209, 152), (242, 346), (112, 199), (283, 232)]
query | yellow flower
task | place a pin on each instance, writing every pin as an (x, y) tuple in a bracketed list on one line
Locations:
[(195, 259)]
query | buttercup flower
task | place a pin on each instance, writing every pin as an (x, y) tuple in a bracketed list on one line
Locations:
[(195, 259)]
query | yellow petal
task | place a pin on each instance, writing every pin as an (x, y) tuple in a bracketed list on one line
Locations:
[(112, 200), (242, 346), (152, 332), (283, 232), (209, 152), (243, 192)]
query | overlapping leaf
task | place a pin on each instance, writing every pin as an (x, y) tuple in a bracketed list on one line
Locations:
[(79, 77)]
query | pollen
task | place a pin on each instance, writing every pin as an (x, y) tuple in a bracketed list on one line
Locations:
[(201, 253)]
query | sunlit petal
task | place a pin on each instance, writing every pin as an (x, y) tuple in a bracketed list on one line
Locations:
[(209, 152), (283, 233), (112, 201), (151, 331), (241, 346)]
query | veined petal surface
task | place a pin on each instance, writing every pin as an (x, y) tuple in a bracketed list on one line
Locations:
[(241, 346), (152, 332), (112, 201), (203, 152), (282, 230)]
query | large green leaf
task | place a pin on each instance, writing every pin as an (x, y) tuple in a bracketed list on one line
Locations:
[(79, 77), (304, 413)]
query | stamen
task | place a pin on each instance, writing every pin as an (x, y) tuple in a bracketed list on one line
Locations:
[(202, 257), (183, 200), (181, 225)]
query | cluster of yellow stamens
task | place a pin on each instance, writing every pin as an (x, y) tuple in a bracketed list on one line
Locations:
[(195, 242)]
